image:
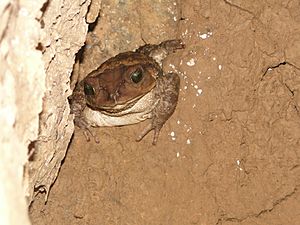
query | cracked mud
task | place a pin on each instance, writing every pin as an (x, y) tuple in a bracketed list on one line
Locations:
[(230, 153)]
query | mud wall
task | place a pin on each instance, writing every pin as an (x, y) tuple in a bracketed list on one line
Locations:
[(230, 153)]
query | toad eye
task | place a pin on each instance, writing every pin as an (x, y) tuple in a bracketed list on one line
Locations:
[(137, 76), (88, 89)]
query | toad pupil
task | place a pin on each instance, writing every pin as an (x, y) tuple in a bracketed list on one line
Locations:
[(137, 76), (88, 89)]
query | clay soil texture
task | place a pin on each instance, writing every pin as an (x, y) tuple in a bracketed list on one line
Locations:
[(229, 154)]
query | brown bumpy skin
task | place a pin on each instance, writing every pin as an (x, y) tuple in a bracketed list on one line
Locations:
[(167, 91), (165, 88), (170, 46), (78, 103)]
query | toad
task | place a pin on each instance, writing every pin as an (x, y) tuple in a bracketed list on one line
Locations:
[(127, 89)]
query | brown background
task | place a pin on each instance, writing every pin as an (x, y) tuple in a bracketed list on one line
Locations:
[(229, 154)]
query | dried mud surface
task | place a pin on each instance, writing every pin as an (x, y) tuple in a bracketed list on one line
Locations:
[(229, 154)]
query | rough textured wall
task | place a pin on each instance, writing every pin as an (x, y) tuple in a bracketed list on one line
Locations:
[(230, 153), (126, 25), (22, 79), (64, 29)]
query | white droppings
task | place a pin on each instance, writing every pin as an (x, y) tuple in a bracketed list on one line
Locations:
[(185, 87), (172, 134), (238, 162), (208, 78), (175, 18), (196, 86), (214, 58), (199, 91), (172, 66), (188, 141), (177, 154), (191, 62), (220, 67), (204, 35), (178, 121), (185, 32)]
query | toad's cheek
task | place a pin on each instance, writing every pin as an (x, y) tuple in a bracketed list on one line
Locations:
[(139, 112)]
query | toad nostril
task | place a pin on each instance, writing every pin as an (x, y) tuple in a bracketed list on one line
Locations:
[(113, 97)]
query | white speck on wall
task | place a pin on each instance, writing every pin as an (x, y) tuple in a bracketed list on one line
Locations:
[(178, 121), (177, 154), (199, 91), (188, 141), (194, 106), (220, 67), (214, 58), (185, 87), (172, 134), (175, 18), (238, 162), (185, 32), (269, 69), (204, 35), (208, 78), (196, 86), (172, 66), (191, 62)]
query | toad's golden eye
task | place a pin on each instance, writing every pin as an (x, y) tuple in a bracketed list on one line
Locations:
[(137, 76), (88, 89)]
